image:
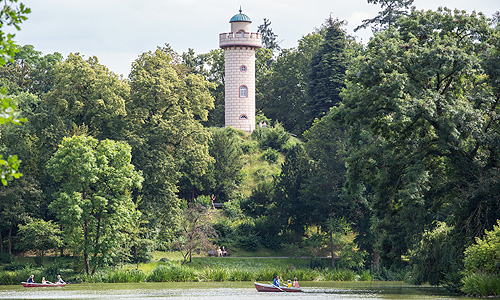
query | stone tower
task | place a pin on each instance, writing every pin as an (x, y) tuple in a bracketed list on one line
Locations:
[(239, 46)]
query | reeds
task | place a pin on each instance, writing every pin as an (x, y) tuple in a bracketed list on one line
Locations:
[(480, 284)]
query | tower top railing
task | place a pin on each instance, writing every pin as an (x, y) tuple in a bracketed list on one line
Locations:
[(233, 39)]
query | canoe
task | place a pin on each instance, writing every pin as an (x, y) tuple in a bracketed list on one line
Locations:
[(26, 284), (271, 288)]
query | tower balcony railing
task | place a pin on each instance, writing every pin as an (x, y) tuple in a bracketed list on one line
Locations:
[(232, 39)]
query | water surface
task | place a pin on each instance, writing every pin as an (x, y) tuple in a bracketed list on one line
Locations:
[(228, 291)]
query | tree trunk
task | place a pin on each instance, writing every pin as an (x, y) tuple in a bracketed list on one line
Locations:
[(10, 241), (85, 252), (331, 249), (376, 260), (1, 242)]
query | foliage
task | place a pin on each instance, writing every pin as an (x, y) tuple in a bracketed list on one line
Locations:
[(39, 235), (168, 141), (94, 202), (282, 93), (481, 285), (484, 255), (10, 15), (420, 113), (392, 10), (268, 36), (87, 93), (435, 257), (196, 231), (274, 137), (328, 67)]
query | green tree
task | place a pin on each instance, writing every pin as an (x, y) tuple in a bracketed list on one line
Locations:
[(40, 236), (165, 111), (434, 258), (393, 9), (94, 201), (420, 110), (10, 15), (86, 93), (30, 71), (290, 205), (269, 38), (284, 90), (328, 67)]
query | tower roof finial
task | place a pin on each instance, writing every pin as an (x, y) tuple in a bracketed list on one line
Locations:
[(240, 9)]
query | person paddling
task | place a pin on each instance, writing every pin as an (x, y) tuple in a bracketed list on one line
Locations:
[(59, 280), (276, 281)]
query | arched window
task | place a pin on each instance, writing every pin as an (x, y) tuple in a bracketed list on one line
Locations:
[(242, 33), (243, 117), (243, 91)]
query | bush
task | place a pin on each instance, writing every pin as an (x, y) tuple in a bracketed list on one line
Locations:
[(271, 137), (484, 256), (435, 257), (480, 284), (271, 155), (163, 273)]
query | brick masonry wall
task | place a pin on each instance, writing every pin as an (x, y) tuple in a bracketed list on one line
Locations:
[(237, 106)]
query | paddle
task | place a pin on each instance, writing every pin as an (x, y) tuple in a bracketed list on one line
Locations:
[(277, 287)]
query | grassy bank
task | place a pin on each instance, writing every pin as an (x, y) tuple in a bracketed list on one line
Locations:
[(202, 269)]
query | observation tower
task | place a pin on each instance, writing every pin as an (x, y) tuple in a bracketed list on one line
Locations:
[(239, 47)]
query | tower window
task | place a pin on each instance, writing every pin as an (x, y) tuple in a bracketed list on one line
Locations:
[(243, 68), (243, 117), (243, 91), (242, 33)]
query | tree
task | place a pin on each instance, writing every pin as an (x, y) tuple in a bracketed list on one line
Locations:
[(393, 9), (11, 16), (94, 201), (165, 111), (18, 201), (421, 115), (196, 230), (290, 206), (284, 90), (39, 235), (86, 93), (328, 67), (268, 36)]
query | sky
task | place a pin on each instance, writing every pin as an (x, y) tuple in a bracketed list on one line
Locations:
[(118, 31)]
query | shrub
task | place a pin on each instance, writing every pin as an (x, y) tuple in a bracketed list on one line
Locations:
[(271, 137), (484, 256), (481, 284), (271, 155), (435, 256)]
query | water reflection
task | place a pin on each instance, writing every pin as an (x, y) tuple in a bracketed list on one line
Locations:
[(227, 291)]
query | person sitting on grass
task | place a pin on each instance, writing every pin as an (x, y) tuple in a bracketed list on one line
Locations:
[(224, 252)]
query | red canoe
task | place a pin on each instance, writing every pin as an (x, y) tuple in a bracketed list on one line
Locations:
[(26, 284), (271, 288)]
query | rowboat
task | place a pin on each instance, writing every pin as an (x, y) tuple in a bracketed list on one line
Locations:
[(271, 288), (29, 284)]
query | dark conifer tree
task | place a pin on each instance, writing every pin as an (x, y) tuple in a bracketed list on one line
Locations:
[(328, 67)]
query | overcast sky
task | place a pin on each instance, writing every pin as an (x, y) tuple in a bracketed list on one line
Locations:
[(117, 31)]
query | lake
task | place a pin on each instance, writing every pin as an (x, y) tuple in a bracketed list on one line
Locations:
[(229, 291)]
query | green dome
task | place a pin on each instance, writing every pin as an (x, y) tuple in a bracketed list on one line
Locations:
[(240, 18)]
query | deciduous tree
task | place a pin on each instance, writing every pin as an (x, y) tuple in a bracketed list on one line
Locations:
[(94, 201)]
